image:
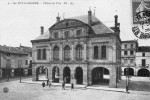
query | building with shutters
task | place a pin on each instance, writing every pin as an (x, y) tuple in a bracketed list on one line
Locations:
[(14, 60), (80, 49)]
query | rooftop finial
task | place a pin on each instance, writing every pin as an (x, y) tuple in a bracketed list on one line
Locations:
[(94, 10), (58, 14), (89, 8), (63, 15)]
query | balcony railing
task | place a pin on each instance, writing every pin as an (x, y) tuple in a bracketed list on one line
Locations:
[(144, 66)]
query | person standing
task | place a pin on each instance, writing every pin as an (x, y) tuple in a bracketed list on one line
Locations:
[(72, 86), (47, 82), (49, 85), (43, 85)]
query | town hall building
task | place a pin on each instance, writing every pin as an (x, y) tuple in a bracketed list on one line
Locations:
[(80, 49)]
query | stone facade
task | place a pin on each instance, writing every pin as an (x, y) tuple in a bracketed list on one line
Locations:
[(11, 58), (128, 56), (93, 34)]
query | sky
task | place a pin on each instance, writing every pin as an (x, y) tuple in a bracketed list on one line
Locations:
[(20, 23)]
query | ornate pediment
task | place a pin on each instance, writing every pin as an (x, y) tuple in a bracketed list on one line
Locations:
[(67, 23)]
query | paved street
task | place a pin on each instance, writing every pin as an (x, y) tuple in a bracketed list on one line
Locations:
[(29, 90)]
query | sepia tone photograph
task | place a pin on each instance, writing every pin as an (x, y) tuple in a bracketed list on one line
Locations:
[(74, 49)]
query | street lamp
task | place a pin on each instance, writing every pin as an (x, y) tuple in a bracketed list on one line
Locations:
[(20, 73), (127, 80)]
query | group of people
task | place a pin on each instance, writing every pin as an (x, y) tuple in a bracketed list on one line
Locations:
[(63, 85), (48, 84)]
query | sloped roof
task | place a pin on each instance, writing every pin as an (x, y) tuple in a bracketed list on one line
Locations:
[(144, 49), (97, 26), (43, 36), (15, 50)]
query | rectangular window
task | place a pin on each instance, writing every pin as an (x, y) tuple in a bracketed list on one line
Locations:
[(56, 35), (30, 54), (125, 53), (66, 34), (131, 45), (95, 52), (39, 54), (143, 54), (44, 54), (19, 63), (26, 62), (131, 52), (125, 61), (78, 32), (8, 54), (143, 62), (103, 52), (8, 62), (125, 46), (131, 61)]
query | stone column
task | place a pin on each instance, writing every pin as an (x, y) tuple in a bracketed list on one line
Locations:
[(84, 51), (61, 53), (85, 77), (34, 76), (72, 52), (89, 75), (112, 80), (50, 73), (61, 75), (72, 76)]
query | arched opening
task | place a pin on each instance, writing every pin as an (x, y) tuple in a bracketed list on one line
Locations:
[(100, 76), (55, 74), (66, 74), (42, 73), (143, 72), (79, 75), (129, 71)]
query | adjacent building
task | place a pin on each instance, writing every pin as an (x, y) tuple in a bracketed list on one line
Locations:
[(128, 56), (143, 61), (80, 49), (14, 60)]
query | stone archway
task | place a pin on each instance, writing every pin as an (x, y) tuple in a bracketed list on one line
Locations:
[(143, 72), (79, 75), (41, 73), (129, 71), (55, 74), (66, 74), (100, 76)]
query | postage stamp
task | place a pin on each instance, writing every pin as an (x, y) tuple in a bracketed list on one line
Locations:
[(141, 18)]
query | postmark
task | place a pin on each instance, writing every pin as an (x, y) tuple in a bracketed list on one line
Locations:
[(141, 18), (5, 89)]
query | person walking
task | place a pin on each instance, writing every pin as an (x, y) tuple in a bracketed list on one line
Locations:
[(47, 82), (72, 86), (49, 85), (43, 85)]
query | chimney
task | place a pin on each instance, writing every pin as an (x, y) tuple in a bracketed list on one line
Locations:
[(117, 25), (57, 18), (42, 30), (116, 21), (90, 17)]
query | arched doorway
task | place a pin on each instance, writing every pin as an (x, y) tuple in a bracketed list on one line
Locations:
[(100, 76), (66, 74), (55, 74), (129, 71), (143, 72), (42, 73), (79, 75)]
